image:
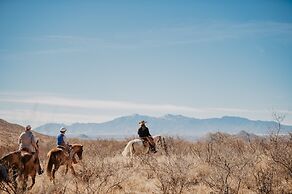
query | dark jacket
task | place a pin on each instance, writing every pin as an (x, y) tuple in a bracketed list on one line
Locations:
[(143, 131)]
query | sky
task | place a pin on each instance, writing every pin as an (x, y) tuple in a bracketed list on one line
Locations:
[(92, 61)]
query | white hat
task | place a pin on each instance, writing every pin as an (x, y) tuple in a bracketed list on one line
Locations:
[(28, 127), (63, 130)]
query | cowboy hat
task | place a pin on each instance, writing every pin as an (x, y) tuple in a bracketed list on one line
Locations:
[(63, 130), (142, 122)]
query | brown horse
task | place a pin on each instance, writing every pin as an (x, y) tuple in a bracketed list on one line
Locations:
[(13, 162), (58, 157), (31, 167), (23, 164)]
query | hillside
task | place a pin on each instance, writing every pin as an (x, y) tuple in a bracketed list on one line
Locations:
[(171, 125), (9, 134)]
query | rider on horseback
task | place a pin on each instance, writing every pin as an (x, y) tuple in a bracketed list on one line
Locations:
[(145, 136), (27, 143), (63, 144)]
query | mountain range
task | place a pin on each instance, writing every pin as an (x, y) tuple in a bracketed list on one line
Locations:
[(170, 125)]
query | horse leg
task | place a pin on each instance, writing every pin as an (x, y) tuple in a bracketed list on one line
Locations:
[(15, 173), (56, 167), (132, 150), (24, 183), (33, 181), (72, 170), (66, 170), (74, 159)]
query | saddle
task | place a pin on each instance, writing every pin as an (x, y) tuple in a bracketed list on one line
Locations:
[(61, 147), (25, 151), (26, 155), (67, 152), (64, 149), (145, 141), (148, 142)]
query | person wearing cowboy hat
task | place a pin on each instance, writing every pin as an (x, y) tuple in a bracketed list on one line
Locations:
[(64, 144), (61, 139), (145, 136), (27, 143)]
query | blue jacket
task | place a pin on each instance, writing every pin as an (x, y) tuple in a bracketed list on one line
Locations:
[(60, 139)]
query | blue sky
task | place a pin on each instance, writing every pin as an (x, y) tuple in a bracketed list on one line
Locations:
[(91, 61)]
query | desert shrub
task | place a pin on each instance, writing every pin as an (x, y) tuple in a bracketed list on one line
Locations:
[(220, 163), (178, 146), (173, 174), (226, 160)]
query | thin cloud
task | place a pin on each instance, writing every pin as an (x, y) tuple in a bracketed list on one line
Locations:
[(42, 109), (114, 105), (93, 104)]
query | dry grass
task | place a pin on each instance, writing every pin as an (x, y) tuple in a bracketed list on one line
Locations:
[(220, 163)]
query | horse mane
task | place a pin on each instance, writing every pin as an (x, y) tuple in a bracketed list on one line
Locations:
[(54, 150), (77, 145)]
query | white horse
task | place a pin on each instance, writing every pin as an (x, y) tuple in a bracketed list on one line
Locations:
[(136, 146)]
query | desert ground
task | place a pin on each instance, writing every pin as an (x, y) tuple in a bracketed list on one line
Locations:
[(218, 163)]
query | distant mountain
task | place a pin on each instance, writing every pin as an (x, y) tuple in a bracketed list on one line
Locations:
[(171, 125)]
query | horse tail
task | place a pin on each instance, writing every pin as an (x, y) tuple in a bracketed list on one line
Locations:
[(127, 151), (50, 163)]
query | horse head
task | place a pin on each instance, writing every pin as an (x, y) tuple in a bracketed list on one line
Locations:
[(160, 140), (78, 149), (157, 139)]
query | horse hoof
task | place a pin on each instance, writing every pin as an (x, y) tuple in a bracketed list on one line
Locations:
[(41, 172)]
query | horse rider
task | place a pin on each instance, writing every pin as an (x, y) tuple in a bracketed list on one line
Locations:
[(145, 136), (64, 144), (27, 143)]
